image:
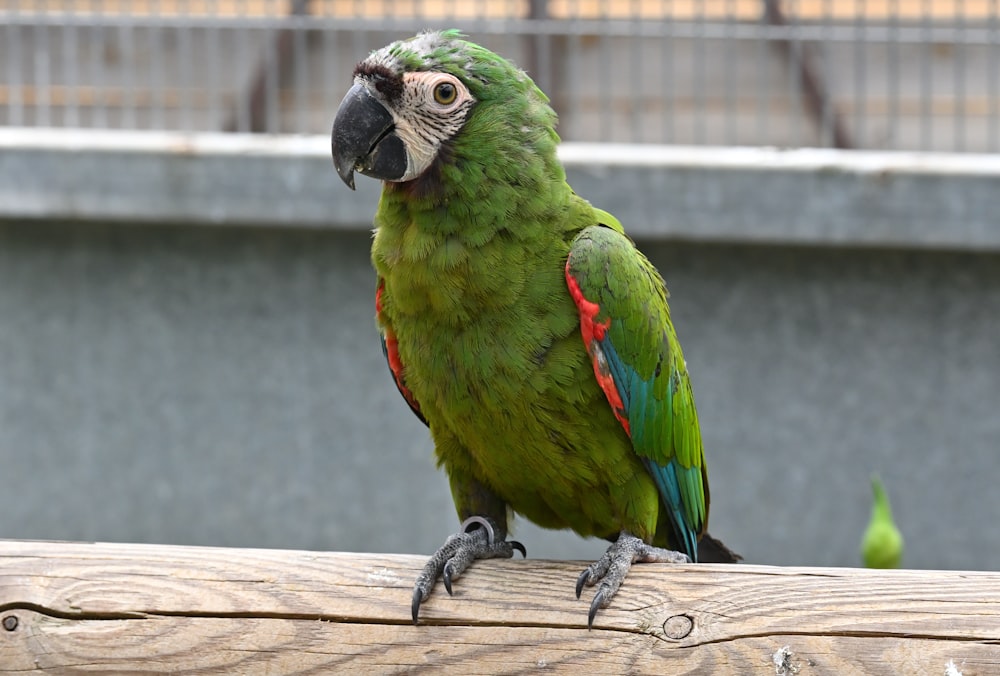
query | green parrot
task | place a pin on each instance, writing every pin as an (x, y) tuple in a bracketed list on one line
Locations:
[(882, 543), (519, 322)]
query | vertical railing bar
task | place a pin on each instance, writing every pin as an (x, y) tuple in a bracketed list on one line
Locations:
[(15, 70), (43, 75), (993, 78), (70, 47), (272, 34), (927, 76), (893, 84), (796, 109), (637, 78), (328, 70), (573, 69), (156, 75), (606, 115), (126, 38), (731, 83), (669, 86), (860, 74), (185, 71), (826, 115), (959, 107), (764, 96), (102, 104), (699, 74), (299, 79), (242, 105), (213, 83)]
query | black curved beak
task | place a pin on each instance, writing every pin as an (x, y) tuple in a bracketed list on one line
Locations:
[(363, 139)]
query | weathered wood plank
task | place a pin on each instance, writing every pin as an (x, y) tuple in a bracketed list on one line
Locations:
[(106, 608), (273, 646)]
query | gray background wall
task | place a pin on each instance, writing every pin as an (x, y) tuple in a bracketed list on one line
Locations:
[(193, 384)]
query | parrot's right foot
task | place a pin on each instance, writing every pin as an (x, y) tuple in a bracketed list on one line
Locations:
[(477, 540), (610, 570)]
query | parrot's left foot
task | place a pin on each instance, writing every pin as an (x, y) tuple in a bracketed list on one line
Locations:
[(610, 570), (477, 540)]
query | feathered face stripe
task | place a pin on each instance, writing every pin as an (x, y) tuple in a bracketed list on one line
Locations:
[(427, 108)]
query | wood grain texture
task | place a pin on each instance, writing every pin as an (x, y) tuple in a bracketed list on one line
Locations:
[(77, 608)]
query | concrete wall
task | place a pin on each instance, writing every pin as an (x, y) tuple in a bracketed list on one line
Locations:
[(187, 383)]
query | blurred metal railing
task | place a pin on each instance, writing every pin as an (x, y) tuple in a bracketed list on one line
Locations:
[(892, 74)]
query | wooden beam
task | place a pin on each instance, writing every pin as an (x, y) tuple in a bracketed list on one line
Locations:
[(73, 608)]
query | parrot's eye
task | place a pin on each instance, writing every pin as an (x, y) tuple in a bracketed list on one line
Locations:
[(445, 93)]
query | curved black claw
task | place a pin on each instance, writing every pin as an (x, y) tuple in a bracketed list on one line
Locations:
[(595, 605), (418, 598), (610, 570), (582, 580), (477, 540), (446, 577)]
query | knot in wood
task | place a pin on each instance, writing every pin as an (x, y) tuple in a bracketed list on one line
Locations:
[(10, 622), (678, 626)]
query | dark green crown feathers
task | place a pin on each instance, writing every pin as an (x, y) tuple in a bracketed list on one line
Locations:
[(449, 52)]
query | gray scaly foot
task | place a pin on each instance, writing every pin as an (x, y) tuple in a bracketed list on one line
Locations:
[(610, 570), (477, 540)]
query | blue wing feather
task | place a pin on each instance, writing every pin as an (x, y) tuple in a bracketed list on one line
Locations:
[(641, 407), (668, 483), (638, 352)]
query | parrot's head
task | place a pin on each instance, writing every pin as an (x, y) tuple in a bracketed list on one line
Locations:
[(438, 99)]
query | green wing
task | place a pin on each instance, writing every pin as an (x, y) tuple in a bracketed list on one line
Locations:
[(625, 322)]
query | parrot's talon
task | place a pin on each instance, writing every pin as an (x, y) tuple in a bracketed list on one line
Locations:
[(581, 581), (446, 575), (418, 598), (468, 526), (477, 540), (610, 570), (595, 605)]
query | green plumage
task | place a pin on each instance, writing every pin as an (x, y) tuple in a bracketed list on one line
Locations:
[(471, 257), (648, 367)]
